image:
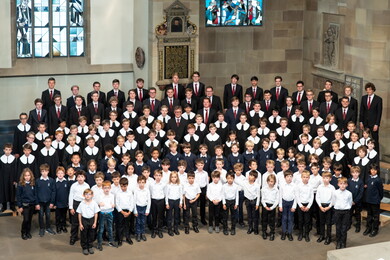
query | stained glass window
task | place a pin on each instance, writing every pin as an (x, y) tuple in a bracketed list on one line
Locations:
[(49, 28)]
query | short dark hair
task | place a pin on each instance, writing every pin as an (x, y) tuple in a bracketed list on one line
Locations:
[(254, 78), (235, 76)]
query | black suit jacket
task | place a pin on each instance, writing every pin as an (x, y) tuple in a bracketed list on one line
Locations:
[(201, 92), (283, 112), (47, 101), (341, 122), (70, 102), (229, 118), (372, 116), (321, 97), (33, 119), (179, 130), (54, 120), (137, 106), (170, 110), (157, 106), (92, 112), (194, 104), (353, 104), (73, 116), (215, 103), (259, 93), (145, 94), (180, 89), (305, 108), (281, 102), (267, 113), (243, 106), (295, 97), (102, 98), (107, 111), (324, 112), (228, 94), (212, 115), (121, 97)]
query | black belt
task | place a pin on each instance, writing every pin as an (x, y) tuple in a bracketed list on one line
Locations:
[(324, 205)]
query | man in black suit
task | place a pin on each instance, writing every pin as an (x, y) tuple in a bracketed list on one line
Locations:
[(77, 111), (288, 110), (371, 112), (141, 93), (232, 90), (178, 124), (112, 106), (47, 96), (254, 90), (95, 108), (300, 95), (190, 99), (328, 107), (152, 102), (328, 87), (57, 114), (170, 101), (309, 104), (102, 96), (344, 114), (37, 115), (70, 101), (198, 88), (178, 89), (133, 98), (117, 92), (232, 115), (247, 105), (279, 93), (267, 105), (353, 103), (215, 101), (209, 114)]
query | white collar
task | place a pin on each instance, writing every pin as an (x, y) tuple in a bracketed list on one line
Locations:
[(51, 151), (253, 112), (21, 127), (273, 146), (188, 116), (316, 151), (95, 136), (354, 146), (332, 127), (140, 130), (91, 151), (273, 119), (132, 145), (337, 156), (187, 137), (44, 179), (7, 159), (71, 149), (365, 160), (306, 147), (294, 118), (219, 124), (211, 137), (371, 154), (59, 145), (115, 123), (155, 142), (262, 131), (27, 160), (287, 131), (200, 127), (118, 149), (58, 180), (103, 133), (255, 139), (41, 136), (244, 127), (318, 120)]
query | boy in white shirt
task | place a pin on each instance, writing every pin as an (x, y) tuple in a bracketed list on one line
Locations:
[(142, 203), (191, 192), (252, 196), (269, 200), (304, 196), (342, 201), (214, 195), (287, 204), (202, 178), (315, 181), (270, 165), (106, 203), (157, 191), (230, 200), (124, 203), (98, 187), (239, 179)]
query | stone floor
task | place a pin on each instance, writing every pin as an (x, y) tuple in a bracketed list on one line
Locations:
[(192, 246)]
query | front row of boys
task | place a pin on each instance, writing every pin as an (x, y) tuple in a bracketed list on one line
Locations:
[(225, 193)]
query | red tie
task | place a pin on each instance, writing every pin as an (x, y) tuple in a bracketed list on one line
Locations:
[(288, 112), (310, 107), (235, 113), (254, 92), (196, 89), (206, 118), (175, 91), (233, 90), (116, 93), (96, 108), (328, 108), (51, 94), (39, 115), (267, 105), (369, 103), (79, 112), (277, 93), (247, 108), (58, 113), (152, 106), (344, 114), (177, 122), (299, 98), (189, 101), (140, 95), (170, 104)]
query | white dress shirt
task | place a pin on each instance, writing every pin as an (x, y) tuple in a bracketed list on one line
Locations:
[(325, 194), (342, 200), (270, 196), (214, 191), (142, 199), (157, 190), (191, 190), (174, 192), (202, 178), (106, 203), (88, 210), (252, 191), (76, 192), (230, 192), (304, 194), (124, 200), (287, 193)]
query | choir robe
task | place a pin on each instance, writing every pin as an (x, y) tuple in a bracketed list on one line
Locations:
[(227, 148), (223, 130), (40, 138), (69, 150), (107, 137), (242, 133), (8, 176), (60, 148), (341, 158), (364, 165), (285, 137), (314, 124), (141, 135), (254, 117), (98, 142), (131, 149), (256, 141), (20, 137), (296, 125), (193, 141), (211, 141), (148, 146), (329, 131), (115, 125), (201, 131), (263, 133), (351, 151), (273, 122), (133, 118), (305, 150), (49, 156), (91, 154)]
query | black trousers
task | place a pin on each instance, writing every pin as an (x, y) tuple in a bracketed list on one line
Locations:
[(253, 214), (74, 220), (303, 220), (123, 228), (88, 233), (202, 202), (356, 211), (157, 210), (44, 215), (28, 212), (325, 221), (314, 214), (268, 219), (214, 213), (342, 218), (373, 212), (191, 209), (61, 217), (233, 214), (173, 213)]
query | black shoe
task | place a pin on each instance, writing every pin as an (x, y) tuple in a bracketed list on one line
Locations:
[(343, 245), (357, 230), (143, 237), (283, 237), (290, 237), (225, 232), (233, 232), (300, 237), (24, 236), (264, 235), (338, 246), (59, 231), (187, 230), (279, 224), (242, 224), (111, 244), (196, 230), (72, 242), (307, 238), (138, 237), (64, 230), (373, 233), (153, 234), (367, 231), (176, 231), (170, 232), (50, 231), (119, 243), (160, 234), (85, 252), (28, 235), (256, 232), (272, 237), (327, 241), (320, 239), (41, 232), (99, 247), (129, 241), (204, 222), (250, 230)]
